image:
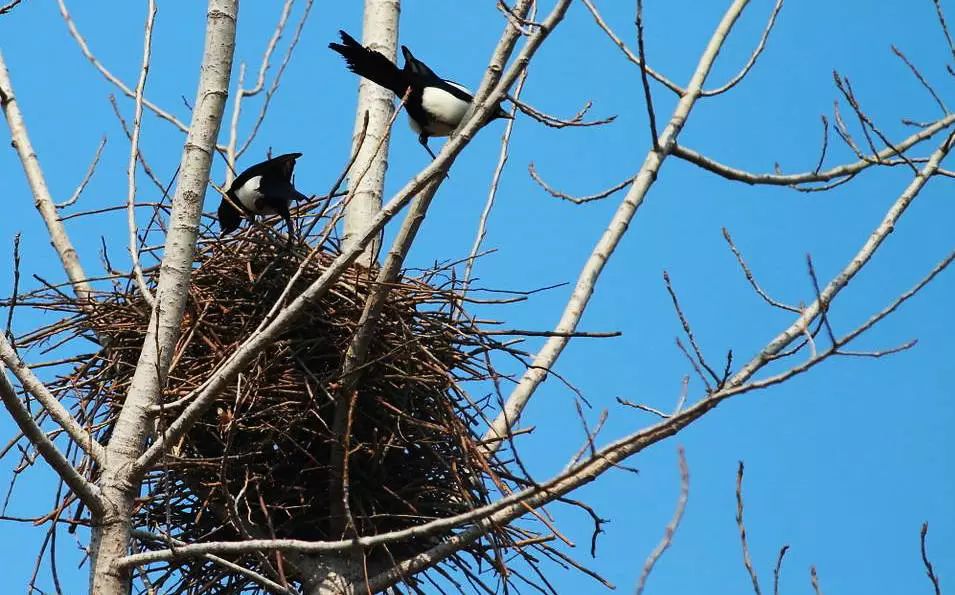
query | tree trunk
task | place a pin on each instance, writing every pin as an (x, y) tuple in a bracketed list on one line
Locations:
[(380, 32), (121, 478)]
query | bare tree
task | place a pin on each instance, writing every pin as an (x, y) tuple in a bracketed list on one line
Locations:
[(114, 467)]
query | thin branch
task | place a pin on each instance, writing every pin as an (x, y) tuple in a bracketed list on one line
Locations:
[(778, 569), (841, 171), (495, 180), (41, 194), (671, 528), (532, 170), (274, 87), (57, 411), (647, 95), (921, 79), (83, 489), (134, 154), (86, 178), (9, 6), (929, 570), (752, 279), (84, 47), (255, 576), (753, 57), (629, 54), (747, 561), (814, 579), (602, 252)]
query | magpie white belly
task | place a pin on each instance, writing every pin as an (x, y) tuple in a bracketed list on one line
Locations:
[(251, 198), (445, 111)]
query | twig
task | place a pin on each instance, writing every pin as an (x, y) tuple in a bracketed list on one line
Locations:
[(86, 491), (839, 172), (495, 180), (747, 562), (814, 579), (576, 121), (779, 567), (921, 79), (86, 178), (576, 199), (753, 57), (617, 227), (14, 294), (929, 570), (41, 194), (752, 279), (9, 6), (133, 154), (274, 87), (671, 528), (647, 95), (629, 54)]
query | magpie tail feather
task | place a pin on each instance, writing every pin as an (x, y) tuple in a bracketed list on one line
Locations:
[(370, 64)]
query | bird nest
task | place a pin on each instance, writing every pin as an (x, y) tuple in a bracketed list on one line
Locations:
[(266, 460)]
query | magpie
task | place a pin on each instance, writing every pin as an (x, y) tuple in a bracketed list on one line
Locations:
[(263, 189), (435, 105)]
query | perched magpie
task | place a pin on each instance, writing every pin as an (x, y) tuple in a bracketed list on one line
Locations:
[(435, 105), (263, 189)]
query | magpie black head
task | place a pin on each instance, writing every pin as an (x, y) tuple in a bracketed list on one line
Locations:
[(502, 113), (264, 188), (416, 67)]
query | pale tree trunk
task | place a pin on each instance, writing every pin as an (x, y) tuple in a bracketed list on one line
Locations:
[(367, 176), (334, 574), (121, 478)]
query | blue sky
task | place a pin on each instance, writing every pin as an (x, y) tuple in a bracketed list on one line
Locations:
[(843, 464)]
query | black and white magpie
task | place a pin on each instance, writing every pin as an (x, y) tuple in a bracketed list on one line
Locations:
[(263, 189), (435, 105)]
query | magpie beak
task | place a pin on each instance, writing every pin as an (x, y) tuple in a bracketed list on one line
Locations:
[(263, 189), (435, 105)]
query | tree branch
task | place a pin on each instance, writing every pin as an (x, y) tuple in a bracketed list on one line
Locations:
[(41, 194)]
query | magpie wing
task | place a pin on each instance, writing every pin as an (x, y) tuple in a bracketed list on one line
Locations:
[(370, 64), (283, 165)]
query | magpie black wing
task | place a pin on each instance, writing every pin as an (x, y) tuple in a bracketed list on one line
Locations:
[(281, 166), (418, 68), (229, 217), (371, 64)]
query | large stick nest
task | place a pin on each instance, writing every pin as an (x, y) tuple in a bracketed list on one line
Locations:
[(266, 460)]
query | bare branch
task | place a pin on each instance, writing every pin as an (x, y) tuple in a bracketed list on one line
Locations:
[(929, 570), (921, 79), (753, 57), (9, 6), (841, 171), (814, 579), (647, 95), (84, 490), (134, 154), (41, 194), (626, 51), (672, 526), (86, 178), (608, 242), (48, 400), (532, 170), (495, 180), (779, 567), (747, 562), (752, 279)]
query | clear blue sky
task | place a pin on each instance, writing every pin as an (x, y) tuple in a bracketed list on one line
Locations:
[(843, 464)]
